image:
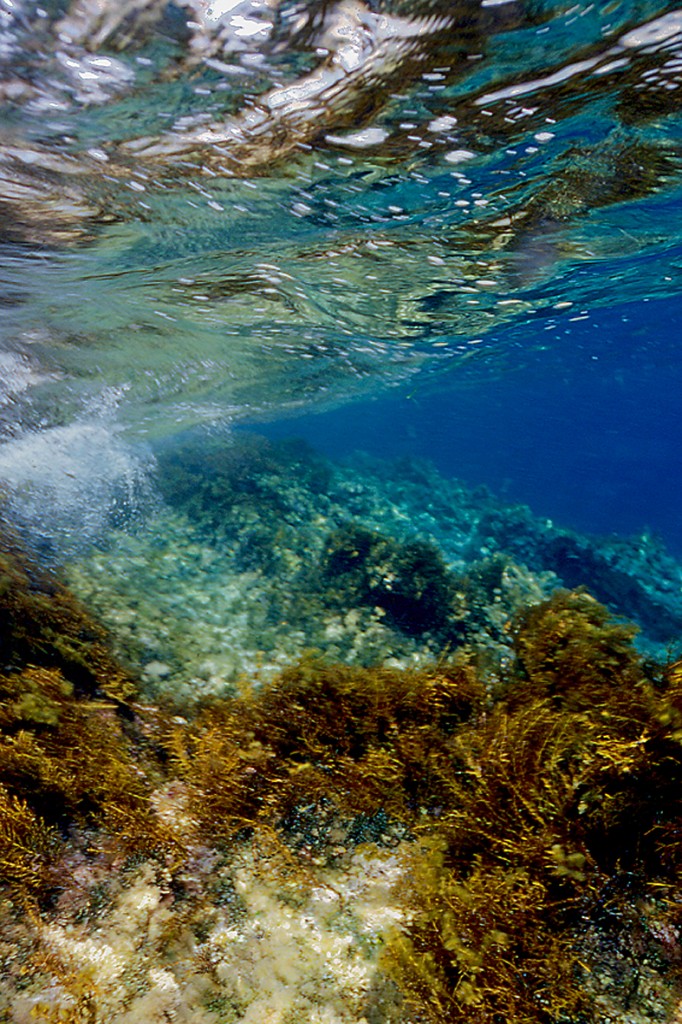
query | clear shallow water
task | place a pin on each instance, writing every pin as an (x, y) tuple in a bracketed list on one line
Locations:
[(447, 235), (454, 231)]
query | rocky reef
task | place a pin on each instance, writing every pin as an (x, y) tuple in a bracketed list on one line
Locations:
[(471, 839), (261, 551)]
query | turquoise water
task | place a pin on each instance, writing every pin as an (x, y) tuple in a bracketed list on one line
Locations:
[(418, 229)]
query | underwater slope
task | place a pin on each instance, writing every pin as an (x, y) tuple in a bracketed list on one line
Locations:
[(263, 550), (340, 844)]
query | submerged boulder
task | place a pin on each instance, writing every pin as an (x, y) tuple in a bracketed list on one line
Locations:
[(410, 581)]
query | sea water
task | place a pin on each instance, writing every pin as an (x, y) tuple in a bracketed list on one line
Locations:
[(415, 230), (454, 229), (348, 328)]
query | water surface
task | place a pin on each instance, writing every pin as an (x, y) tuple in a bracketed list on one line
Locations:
[(467, 216)]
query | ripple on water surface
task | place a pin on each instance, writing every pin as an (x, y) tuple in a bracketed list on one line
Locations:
[(220, 212)]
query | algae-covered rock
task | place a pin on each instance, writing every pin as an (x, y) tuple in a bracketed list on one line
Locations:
[(399, 845), (44, 624), (69, 754), (635, 577), (220, 478), (409, 581)]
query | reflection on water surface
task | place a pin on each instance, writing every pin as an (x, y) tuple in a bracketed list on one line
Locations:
[(216, 211)]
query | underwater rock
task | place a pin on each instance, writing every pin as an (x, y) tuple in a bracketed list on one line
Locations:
[(70, 753), (345, 843), (239, 473), (409, 581), (636, 578), (44, 626), (265, 550)]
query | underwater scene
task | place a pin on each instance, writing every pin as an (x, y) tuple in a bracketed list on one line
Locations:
[(340, 512)]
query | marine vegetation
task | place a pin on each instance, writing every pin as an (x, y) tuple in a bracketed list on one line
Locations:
[(66, 758), (410, 581), (548, 862), (531, 822), (242, 474)]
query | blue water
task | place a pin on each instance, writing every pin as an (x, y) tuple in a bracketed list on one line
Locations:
[(589, 434), (453, 232)]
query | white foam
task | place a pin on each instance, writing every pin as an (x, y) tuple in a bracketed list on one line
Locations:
[(65, 483), (17, 375), (359, 140)]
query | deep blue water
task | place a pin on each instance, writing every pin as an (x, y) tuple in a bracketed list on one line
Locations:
[(589, 434)]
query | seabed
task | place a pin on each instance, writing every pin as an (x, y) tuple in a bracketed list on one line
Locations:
[(337, 743)]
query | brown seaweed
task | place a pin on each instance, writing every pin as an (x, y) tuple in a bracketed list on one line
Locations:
[(540, 816)]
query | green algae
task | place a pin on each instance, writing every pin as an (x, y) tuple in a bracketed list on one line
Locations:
[(243, 473)]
